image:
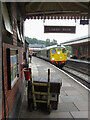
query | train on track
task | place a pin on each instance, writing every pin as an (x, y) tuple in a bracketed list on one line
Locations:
[(55, 54)]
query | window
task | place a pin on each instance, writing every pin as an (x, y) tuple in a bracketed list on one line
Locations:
[(18, 34), (63, 51), (59, 49), (85, 50), (12, 67), (53, 51), (13, 64), (80, 50), (48, 53), (6, 18), (8, 4), (74, 50)]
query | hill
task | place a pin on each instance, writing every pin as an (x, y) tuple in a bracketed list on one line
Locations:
[(36, 41)]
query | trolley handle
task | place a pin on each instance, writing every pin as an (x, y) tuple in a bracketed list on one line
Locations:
[(48, 75)]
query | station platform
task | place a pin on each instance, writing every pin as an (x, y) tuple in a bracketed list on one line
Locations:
[(73, 99), (78, 60)]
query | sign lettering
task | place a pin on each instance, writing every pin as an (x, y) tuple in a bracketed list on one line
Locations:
[(59, 29)]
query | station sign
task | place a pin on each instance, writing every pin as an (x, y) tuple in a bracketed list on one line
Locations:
[(59, 29), (84, 22)]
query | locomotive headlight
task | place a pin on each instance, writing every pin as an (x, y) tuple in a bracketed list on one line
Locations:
[(60, 57), (52, 58), (58, 53)]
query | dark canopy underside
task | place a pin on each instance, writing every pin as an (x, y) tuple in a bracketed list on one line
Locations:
[(55, 10)]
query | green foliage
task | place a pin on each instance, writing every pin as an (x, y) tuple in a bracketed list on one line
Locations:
[(47, 42), (36, 41), (69, 49)]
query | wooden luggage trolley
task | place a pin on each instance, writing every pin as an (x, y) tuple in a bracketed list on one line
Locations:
[(39, 93), (42, 92)]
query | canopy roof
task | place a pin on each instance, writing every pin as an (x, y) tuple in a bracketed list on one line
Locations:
[(55, 10), (77, 40), (53, 46)]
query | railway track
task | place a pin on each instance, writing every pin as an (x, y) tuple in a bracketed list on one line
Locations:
[(83, 71), (82, 77), (79, 71)]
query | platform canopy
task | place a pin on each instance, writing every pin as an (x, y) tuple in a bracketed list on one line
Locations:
[(55, 10)]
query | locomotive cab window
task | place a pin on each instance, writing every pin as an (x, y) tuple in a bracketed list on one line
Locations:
[(53, 51), (63, 51), (59, 49)]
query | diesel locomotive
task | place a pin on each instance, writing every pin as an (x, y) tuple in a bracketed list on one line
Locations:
[(56, 54)]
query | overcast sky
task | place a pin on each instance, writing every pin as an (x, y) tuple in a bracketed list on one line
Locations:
[(35, 29)]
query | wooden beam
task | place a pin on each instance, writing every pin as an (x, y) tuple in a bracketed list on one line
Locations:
[(82, 5), (38, 9), (60, 4), (22, 8)]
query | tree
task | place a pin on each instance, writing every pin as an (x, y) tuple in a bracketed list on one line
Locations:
[(47, 42), (54, 42), (36, 41)]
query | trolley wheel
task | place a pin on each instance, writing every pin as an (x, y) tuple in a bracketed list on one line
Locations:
[(35, 108)]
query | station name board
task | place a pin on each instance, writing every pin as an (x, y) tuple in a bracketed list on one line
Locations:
[(59, 29)]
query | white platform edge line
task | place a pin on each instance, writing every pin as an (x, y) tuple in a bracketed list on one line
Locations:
[(71, 77)]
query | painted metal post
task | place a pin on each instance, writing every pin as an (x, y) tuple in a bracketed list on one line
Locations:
[(48, 87), (30, 74)]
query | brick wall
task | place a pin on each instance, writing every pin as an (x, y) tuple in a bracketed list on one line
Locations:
[(0, 66), (11, 95)]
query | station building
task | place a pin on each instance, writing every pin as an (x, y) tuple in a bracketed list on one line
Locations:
[(80, 47), (13, 48)]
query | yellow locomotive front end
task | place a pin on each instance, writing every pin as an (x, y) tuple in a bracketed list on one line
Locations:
[(58, 56)]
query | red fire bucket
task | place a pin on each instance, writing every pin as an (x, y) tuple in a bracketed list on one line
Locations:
[(27, 74)]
